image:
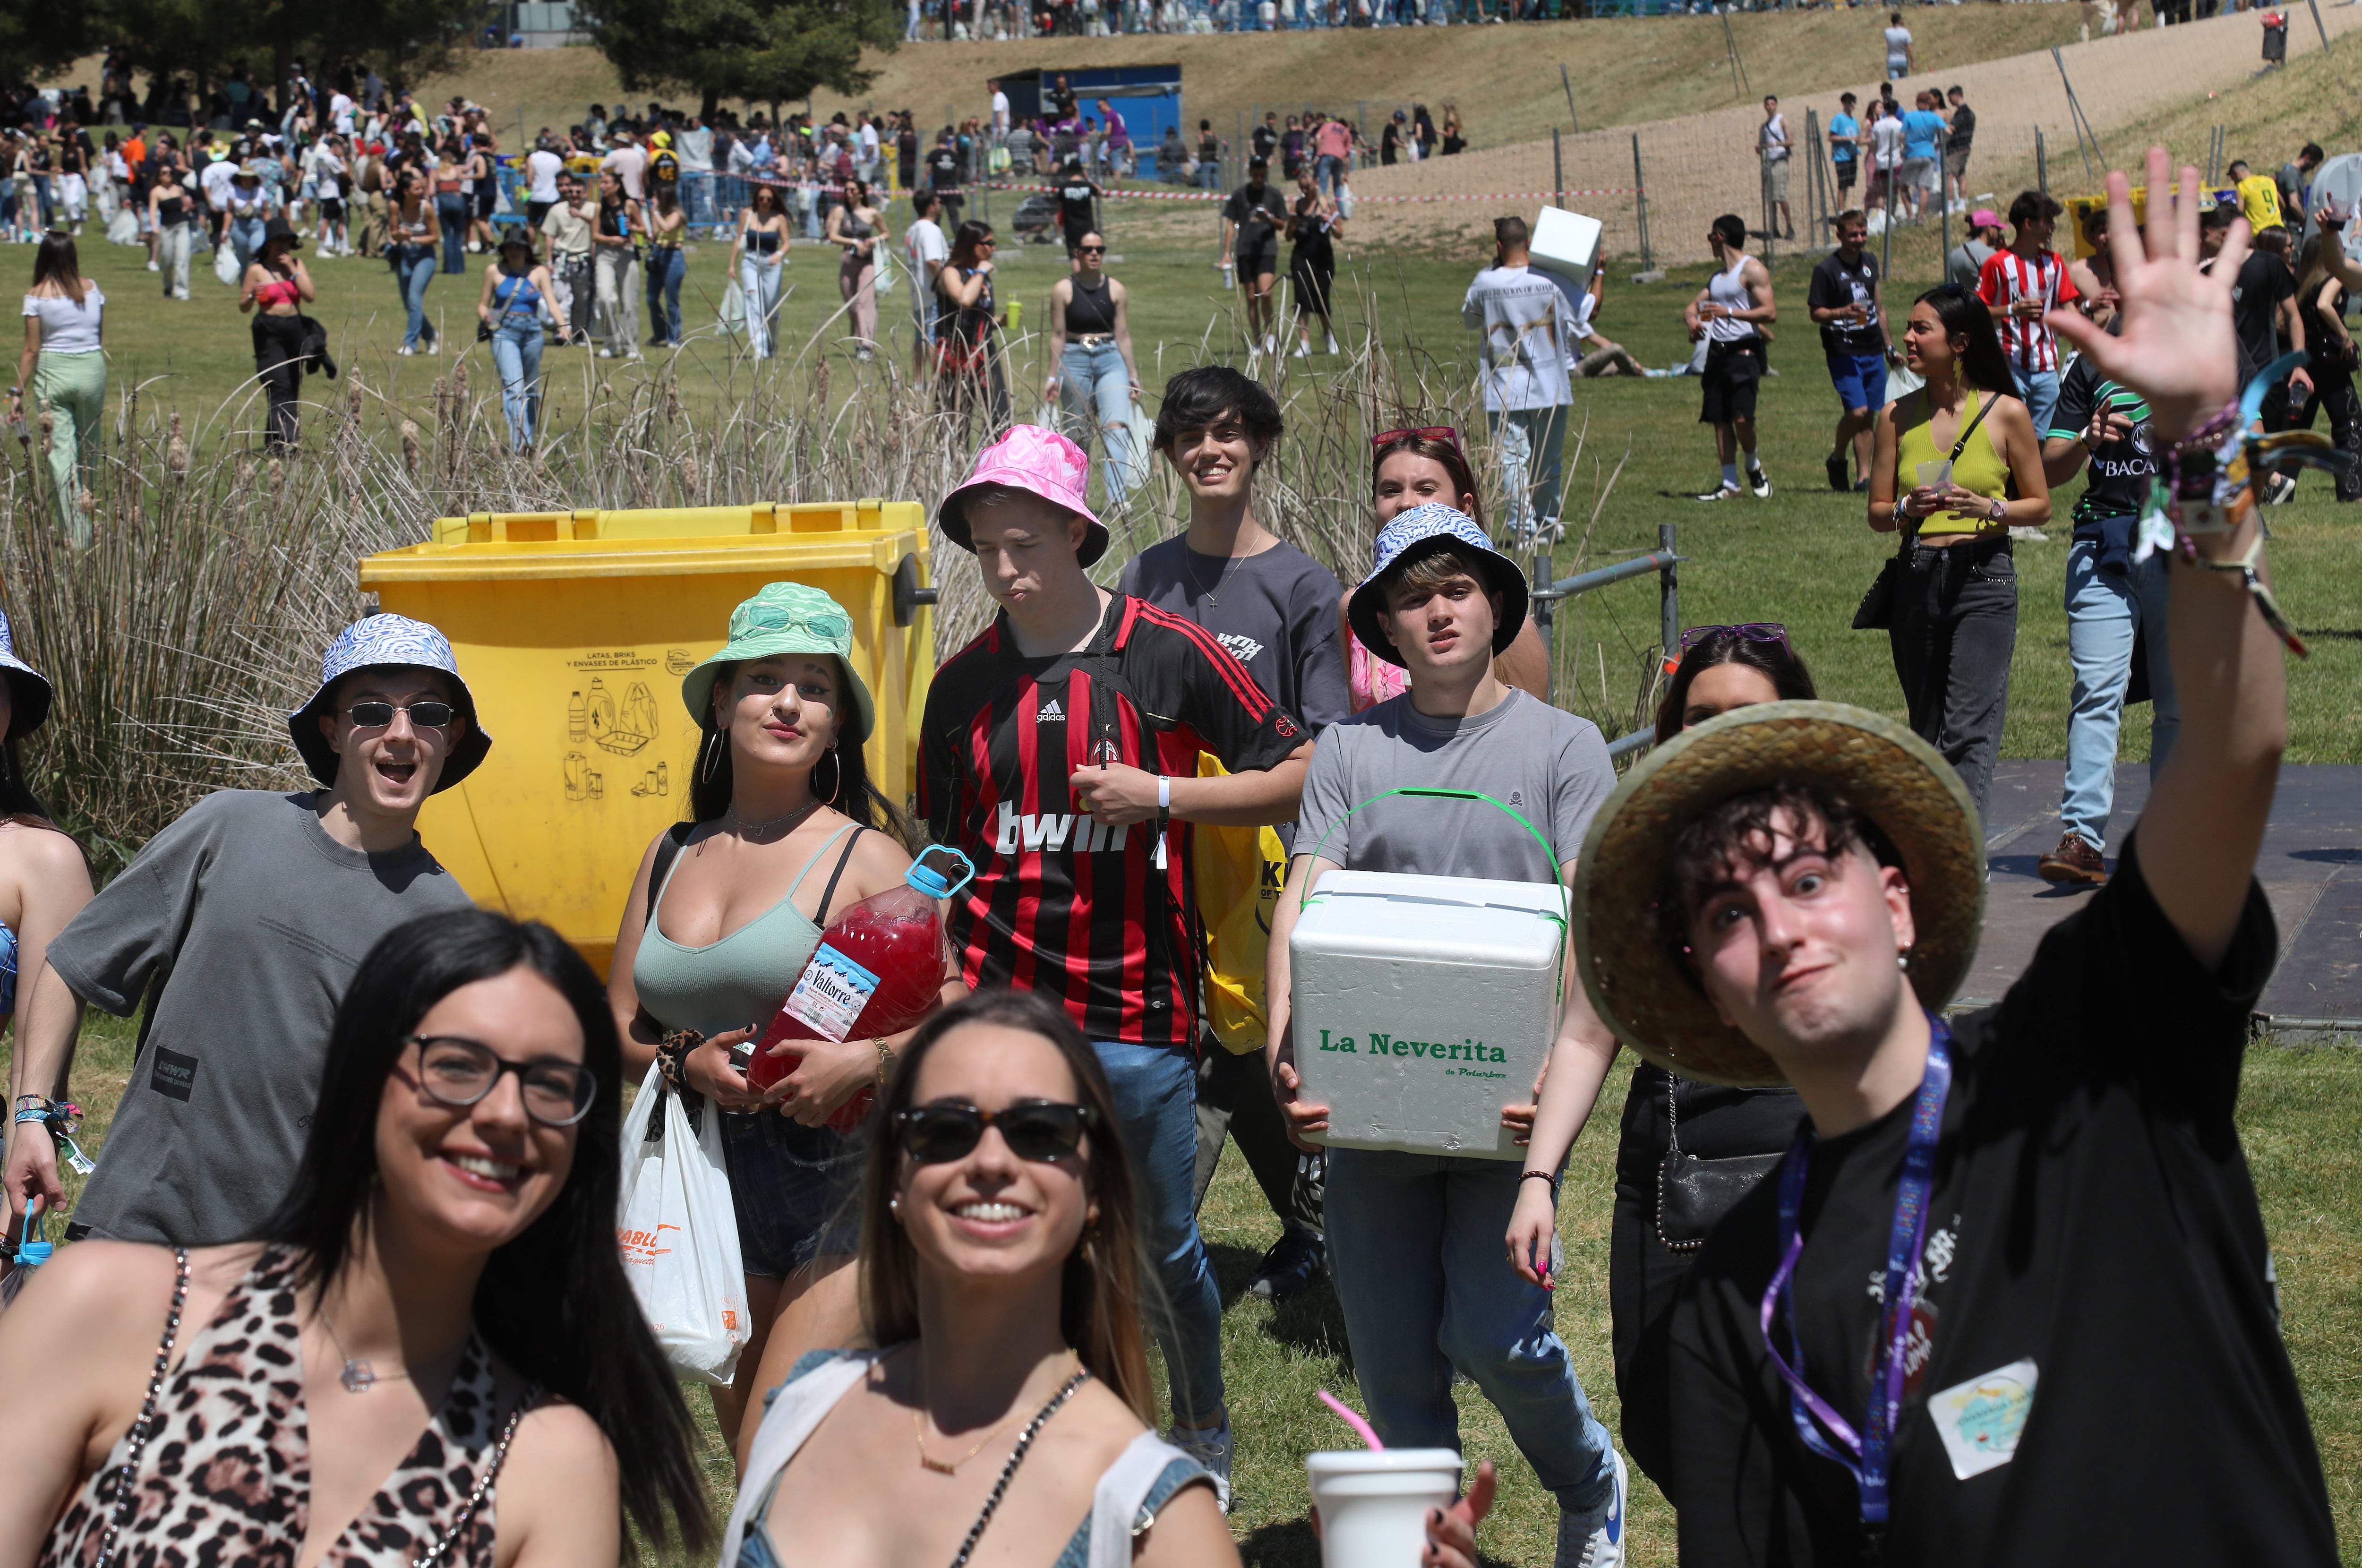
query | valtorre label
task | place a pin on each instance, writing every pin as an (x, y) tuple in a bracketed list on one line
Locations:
[(1376, 1045)]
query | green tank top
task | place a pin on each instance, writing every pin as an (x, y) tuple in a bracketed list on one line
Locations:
[(1979, 467), (738, 980)]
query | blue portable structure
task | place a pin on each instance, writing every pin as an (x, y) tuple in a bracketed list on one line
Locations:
[(1147, 97)]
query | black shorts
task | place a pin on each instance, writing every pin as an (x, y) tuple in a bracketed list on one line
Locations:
[(332, 208), (488, 197), (1732, 372), (1256, 258), (1846, 168), (535, 212)]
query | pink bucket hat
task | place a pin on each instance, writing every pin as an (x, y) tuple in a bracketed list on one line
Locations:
[(1040, 462)]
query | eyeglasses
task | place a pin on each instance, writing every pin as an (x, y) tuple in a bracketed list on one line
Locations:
[(1751, 632), (1040, 1130), (428, 715), (459, 1073), (1420, 433)]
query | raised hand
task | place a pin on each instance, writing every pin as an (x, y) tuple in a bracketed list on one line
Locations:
[(2173, 343)]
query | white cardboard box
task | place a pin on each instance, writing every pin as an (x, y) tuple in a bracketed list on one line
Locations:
[(1422, 1005), (1566, 243)]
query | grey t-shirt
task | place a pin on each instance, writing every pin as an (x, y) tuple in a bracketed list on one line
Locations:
[(1275, 611), (1547, 765), (247, 922)]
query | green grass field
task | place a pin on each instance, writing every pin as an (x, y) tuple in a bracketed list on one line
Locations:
[(2300, 1117)]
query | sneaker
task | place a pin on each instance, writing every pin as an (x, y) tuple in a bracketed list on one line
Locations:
[(2073, 861), (1861, 486), (434, 346), (1332, 343), (1303, 350), (1596, 1539), (405, 348), (1760, 482), (2283, 490), (605, 353), (1721, 493), (1835, 464), (1210, 1449), (1290, 1265), (1270, 343), (155, 266)]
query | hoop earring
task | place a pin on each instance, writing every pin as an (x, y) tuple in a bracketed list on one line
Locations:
[(716, 741), (835, 776)]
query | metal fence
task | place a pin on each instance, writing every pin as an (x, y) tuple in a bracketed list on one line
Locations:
[(1664, 563)]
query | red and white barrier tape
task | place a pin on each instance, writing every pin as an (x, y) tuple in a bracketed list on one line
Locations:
[(1358, 201)]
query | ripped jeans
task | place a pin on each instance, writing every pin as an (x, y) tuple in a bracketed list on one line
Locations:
[(1093, 379)]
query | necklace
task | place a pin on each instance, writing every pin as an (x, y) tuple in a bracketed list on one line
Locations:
[(1221, 578), (359, 1377), (951, 1467), (789, 822)]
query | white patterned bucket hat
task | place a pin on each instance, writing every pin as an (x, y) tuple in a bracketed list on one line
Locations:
[(387, 642), (28, 688)]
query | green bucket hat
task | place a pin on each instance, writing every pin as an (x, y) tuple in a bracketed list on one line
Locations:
[(784, 618)]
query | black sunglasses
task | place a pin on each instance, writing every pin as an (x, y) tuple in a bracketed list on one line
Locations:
[(1038, 1129), (429, 715), (458, 1071), (1091, 249)]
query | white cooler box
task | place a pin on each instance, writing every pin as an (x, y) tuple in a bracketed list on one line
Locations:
[(1422, 1005), (1566, 243)]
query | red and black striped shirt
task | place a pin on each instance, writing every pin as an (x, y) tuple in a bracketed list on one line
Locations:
[(1061, 903)]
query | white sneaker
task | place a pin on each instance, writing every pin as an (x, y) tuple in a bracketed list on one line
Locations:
[(1304, 350), (1213, 1450), (1270, 343), (1596, 1539), (155, 266), (405, 349), (606, 353), (434, 346), (1760, 482), (1721, 493), (1332, 343)]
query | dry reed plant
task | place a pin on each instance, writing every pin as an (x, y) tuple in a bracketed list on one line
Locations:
[(181, 639)]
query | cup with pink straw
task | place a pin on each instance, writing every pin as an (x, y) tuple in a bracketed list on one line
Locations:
[(1370, 1505)]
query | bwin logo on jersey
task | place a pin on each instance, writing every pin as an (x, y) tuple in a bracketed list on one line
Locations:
[(1051, 831)]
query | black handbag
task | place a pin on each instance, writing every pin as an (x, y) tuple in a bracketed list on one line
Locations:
[(1691, 1193), (1876, 612)]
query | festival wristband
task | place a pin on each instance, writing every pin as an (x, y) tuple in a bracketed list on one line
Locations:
[(1549, 1176)]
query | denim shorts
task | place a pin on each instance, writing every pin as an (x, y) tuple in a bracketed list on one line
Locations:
[(797, 1190)]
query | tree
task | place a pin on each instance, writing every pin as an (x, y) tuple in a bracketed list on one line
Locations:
[(753, 50), (205, 40), (38, 39)]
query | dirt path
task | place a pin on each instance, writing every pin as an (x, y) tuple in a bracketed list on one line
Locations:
[(1699, 165)]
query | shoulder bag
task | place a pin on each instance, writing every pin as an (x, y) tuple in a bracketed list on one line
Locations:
[(1691, 1193), (1876, 612)]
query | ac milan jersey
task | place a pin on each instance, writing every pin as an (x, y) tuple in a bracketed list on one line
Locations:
[(2007, 277), (1062, 904)]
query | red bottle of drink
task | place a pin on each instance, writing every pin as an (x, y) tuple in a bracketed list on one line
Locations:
[(877, 971)]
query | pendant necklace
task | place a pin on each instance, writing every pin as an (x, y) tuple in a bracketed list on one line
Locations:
[(358, 1376), (789, 822), (1222, 578)]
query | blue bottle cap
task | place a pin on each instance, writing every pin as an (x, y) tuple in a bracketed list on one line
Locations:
[(934, 883)]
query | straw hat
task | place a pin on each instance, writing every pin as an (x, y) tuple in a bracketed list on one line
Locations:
[(1893, 777)]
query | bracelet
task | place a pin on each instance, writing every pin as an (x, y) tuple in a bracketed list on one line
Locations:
[(885, 1063), (1549, 1176), (1163, 794)]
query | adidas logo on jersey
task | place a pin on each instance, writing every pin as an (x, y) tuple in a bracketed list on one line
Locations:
[(1050, 713), (1051, 831)]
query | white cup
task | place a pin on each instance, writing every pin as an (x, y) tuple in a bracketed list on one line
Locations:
[(1372, 1507)]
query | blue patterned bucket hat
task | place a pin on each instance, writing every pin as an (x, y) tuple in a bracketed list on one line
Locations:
[(784, 618), (1421, 531), (387, 642), (28, 688)]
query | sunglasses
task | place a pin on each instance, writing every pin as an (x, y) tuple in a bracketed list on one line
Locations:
[(1040, 1131), (1751, 632), (429, 715), (458, 1071), (1420, 432), (1091, 249)]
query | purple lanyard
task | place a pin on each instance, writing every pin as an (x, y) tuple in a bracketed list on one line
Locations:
[(1905, 1242)]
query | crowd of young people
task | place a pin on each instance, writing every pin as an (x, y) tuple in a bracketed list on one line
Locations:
[(321, 1150)]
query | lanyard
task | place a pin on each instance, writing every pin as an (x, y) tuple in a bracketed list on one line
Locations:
[(1906, 1240)]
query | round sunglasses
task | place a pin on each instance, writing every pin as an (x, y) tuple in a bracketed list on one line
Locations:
[(1040, 1130)]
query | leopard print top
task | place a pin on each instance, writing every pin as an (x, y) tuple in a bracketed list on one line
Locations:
[(224, 1477)]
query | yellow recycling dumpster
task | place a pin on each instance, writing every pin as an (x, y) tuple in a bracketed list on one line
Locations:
[(573, 630)]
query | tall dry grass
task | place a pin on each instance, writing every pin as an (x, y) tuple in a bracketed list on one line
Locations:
[(196, 621)]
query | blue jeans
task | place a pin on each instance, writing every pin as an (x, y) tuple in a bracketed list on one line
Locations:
[(1156, 1096), (758, 286), (1093, 379), (1533, 466), (516, 350), (2040, 391), (2103, 612), (667, 267), (451, 212), (413, 268), (1416, 1249), (245, 240), (1328, 173)]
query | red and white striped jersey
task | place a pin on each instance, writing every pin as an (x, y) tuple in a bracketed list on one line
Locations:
[(2008, 277)]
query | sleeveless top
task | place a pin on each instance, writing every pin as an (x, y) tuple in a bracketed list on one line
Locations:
[(1979, 467), (1729, 289), (1125, 1503), (7, 971), (515, 296), (735, 980), (761, 242), (1091, 312), (278, 291), (232, 1414)]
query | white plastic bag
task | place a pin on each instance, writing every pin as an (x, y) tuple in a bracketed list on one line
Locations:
[(1344, 199), (882, 282), (225, 265), (122, 228), (679, 1235), (732, 315)]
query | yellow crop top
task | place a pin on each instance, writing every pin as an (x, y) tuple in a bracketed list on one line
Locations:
[(1979, 467)]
